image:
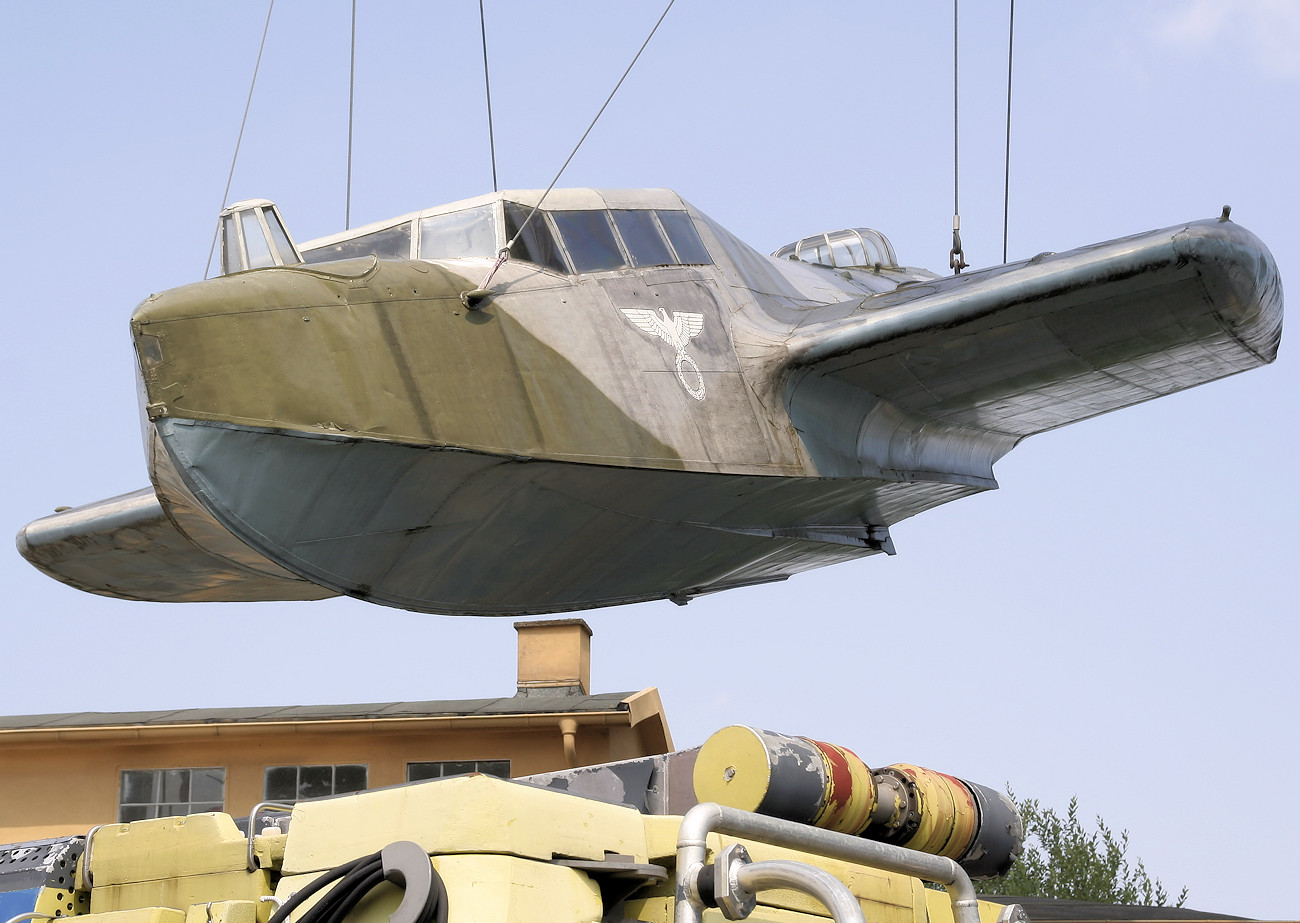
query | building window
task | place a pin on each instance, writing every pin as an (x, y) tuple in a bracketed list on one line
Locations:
[(147, 793), (418, 772), (293, 783)]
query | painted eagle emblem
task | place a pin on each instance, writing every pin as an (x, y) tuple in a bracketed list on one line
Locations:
[(676, 332)]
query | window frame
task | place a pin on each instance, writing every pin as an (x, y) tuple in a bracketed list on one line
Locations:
[(444, 763), (654, 223), (299, 767), (153, 808), (320, 254), (495, 209)]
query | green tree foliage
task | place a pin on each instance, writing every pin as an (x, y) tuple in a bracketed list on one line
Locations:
[(1063, 859)]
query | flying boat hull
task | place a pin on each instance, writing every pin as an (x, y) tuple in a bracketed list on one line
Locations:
[(594, 438)]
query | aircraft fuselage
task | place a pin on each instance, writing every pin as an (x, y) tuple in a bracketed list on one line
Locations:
[(662, 413)]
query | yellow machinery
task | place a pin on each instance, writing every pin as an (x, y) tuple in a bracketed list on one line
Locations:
[(729, 830)]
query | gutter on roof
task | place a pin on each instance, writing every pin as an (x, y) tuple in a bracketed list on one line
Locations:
[(39, 737)]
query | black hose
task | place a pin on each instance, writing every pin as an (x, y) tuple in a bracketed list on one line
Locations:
[(352, 882), (345, 896), (289, 906)]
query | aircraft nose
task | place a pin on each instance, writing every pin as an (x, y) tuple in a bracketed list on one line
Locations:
[(329, 347)]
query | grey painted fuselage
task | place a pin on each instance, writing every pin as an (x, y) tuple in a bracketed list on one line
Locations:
[(626, 421)]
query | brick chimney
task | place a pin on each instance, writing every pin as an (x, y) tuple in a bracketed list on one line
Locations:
[(554, 657)]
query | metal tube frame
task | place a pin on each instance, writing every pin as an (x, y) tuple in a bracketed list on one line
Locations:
[(252, 825), (84, 881), (32, 915), (779, 873), (703, 819)]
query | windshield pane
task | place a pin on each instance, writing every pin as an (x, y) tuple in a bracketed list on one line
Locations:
[(842, 254), (471, 232), (230, 261), (259, 253), (641, 235), (281, 239), (536, 245), (590, 240), (388, 244), (685, 239)]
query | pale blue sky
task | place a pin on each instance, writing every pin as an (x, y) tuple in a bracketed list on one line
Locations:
[(1117, 622)]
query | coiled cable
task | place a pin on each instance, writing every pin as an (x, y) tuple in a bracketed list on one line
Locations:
[(353, 880)]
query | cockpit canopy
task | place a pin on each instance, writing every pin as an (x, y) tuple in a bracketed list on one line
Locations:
[(564, 240), (253, 236), (851, 247)]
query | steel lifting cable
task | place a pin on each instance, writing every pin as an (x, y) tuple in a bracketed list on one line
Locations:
[(1006, 182), (956, 258), (487, 85), (471, 299), (352, 84), (242, 122)]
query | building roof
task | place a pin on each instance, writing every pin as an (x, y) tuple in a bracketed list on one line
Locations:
[(533, 702)]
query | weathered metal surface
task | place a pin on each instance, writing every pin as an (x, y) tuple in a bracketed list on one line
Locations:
[(36, 879), (127, 547), (658, 784), (654, 427), (443, 529), (827, 786)]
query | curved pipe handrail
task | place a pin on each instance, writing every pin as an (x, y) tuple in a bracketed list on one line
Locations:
[(31, 915), (707, 818), (821, 884), (252, 823), (84, 881)]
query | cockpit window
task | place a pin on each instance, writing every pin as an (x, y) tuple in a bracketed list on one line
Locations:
[(467, 233), (279, 236), (645, 245), (259, 252), (536, 245), (861, 247), (590, 240), (388, 244), (229, 245), (563, 241), (683, 236)]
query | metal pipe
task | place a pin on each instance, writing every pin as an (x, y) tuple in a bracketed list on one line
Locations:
[(33, 915), (252, 825), (778, 873), (81, 879), (703, 819), (569, 731)]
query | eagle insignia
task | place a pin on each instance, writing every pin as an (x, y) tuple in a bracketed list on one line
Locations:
[(676, 332)]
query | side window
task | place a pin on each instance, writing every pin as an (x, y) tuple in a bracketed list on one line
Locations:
[(683, 236), (148, 793), (536, 245), (641, 236), (388, 244), (419, 772), (259, 254), (292, 783), (471, 232), (590, 240)]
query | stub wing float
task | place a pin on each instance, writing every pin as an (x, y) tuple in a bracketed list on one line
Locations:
[(639, 407)]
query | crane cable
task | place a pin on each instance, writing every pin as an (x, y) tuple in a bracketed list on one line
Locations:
[(240, 137), (956, 258), (472, 298), (352, 84), (487, 85), (1006, 183)]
